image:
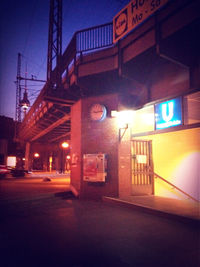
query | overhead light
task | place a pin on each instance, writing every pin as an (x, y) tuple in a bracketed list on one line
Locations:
[(25, 104), (65, 145)]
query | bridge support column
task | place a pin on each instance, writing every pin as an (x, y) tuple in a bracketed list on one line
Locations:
[(27, 156)]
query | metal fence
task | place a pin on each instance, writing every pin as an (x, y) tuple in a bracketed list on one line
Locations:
[(94, 38)]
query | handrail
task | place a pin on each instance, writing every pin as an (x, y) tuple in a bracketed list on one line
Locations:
[(163, 179)]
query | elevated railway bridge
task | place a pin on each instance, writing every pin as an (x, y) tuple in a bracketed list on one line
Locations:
[(93, 65)]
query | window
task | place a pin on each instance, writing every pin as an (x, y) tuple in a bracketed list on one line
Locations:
[(192, 108)]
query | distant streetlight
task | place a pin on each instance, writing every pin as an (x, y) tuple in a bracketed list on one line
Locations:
[(36, 155), (65, 145)]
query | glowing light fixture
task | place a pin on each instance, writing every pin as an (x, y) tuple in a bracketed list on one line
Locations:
[(124, 118), (65, 145), (50, 163), (169, 113), (36, 155)]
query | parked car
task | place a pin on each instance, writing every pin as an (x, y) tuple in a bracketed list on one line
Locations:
[(3, 171), (18, 172)]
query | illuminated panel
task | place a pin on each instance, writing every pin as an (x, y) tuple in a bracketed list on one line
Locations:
[(168, 114), (11, 161), (144, 120)]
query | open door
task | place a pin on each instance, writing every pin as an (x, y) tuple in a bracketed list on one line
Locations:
[(142, 167)]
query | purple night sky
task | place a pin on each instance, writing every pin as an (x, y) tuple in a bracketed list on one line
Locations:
[(24, 29)]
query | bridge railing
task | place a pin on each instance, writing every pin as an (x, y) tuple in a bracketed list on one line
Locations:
[(86, 40), (94, 38)]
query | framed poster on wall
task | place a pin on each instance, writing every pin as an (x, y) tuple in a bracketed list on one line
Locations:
[(94, 167)]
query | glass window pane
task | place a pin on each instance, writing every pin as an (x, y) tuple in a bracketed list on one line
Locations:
[(192, 108)]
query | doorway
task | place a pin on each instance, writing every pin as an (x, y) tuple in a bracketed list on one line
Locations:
[(142, 167)]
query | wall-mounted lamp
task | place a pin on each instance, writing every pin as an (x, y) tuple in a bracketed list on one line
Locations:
[(124, 118)]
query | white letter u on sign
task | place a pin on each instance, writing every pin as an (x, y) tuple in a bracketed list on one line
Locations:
[(168, 111)]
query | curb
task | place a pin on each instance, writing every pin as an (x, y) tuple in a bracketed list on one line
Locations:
[(161, 213)]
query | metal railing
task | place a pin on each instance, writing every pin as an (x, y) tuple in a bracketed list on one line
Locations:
[(85, 40), (174, 186), (94, 38)]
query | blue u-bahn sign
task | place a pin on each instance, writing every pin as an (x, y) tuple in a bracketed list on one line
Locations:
[(168, 114)]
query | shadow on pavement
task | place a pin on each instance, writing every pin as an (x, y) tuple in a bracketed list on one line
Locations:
[(65, 195)]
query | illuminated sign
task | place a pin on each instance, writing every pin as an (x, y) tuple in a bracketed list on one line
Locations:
[(134, 14), (168, 114)]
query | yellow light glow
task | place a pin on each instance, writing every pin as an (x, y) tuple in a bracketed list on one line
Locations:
[(68, 156), (36, 155), (148, 119), (176, 158), (65, 145), (114, 113), (50, 163), (124, 118)]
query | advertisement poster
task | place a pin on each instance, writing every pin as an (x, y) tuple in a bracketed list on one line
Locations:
[(94, 167)]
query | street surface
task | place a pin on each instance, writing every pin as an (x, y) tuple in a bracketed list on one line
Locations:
[(44, 225)]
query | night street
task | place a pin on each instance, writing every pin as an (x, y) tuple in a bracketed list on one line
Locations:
[(44, 225)]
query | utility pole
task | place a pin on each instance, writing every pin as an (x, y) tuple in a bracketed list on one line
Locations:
[(54, 56), (18, 90), (54, 47)]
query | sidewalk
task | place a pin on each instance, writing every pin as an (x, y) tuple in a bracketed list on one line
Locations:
[(52, 174), (184, 210), (41, 177)]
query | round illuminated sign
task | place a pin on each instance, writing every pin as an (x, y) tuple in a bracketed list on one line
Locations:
[(97, 112)]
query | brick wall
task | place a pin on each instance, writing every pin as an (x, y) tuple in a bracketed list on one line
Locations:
[(95, 137), (101, 137)]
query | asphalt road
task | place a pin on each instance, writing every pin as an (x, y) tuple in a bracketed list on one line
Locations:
[(44, 225)]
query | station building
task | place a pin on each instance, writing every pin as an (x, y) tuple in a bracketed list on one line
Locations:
[(134, 127)]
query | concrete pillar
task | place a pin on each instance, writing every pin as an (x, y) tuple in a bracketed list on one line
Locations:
[(27, 156)]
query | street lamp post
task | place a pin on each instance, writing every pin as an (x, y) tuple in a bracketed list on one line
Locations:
[(64, 146)]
